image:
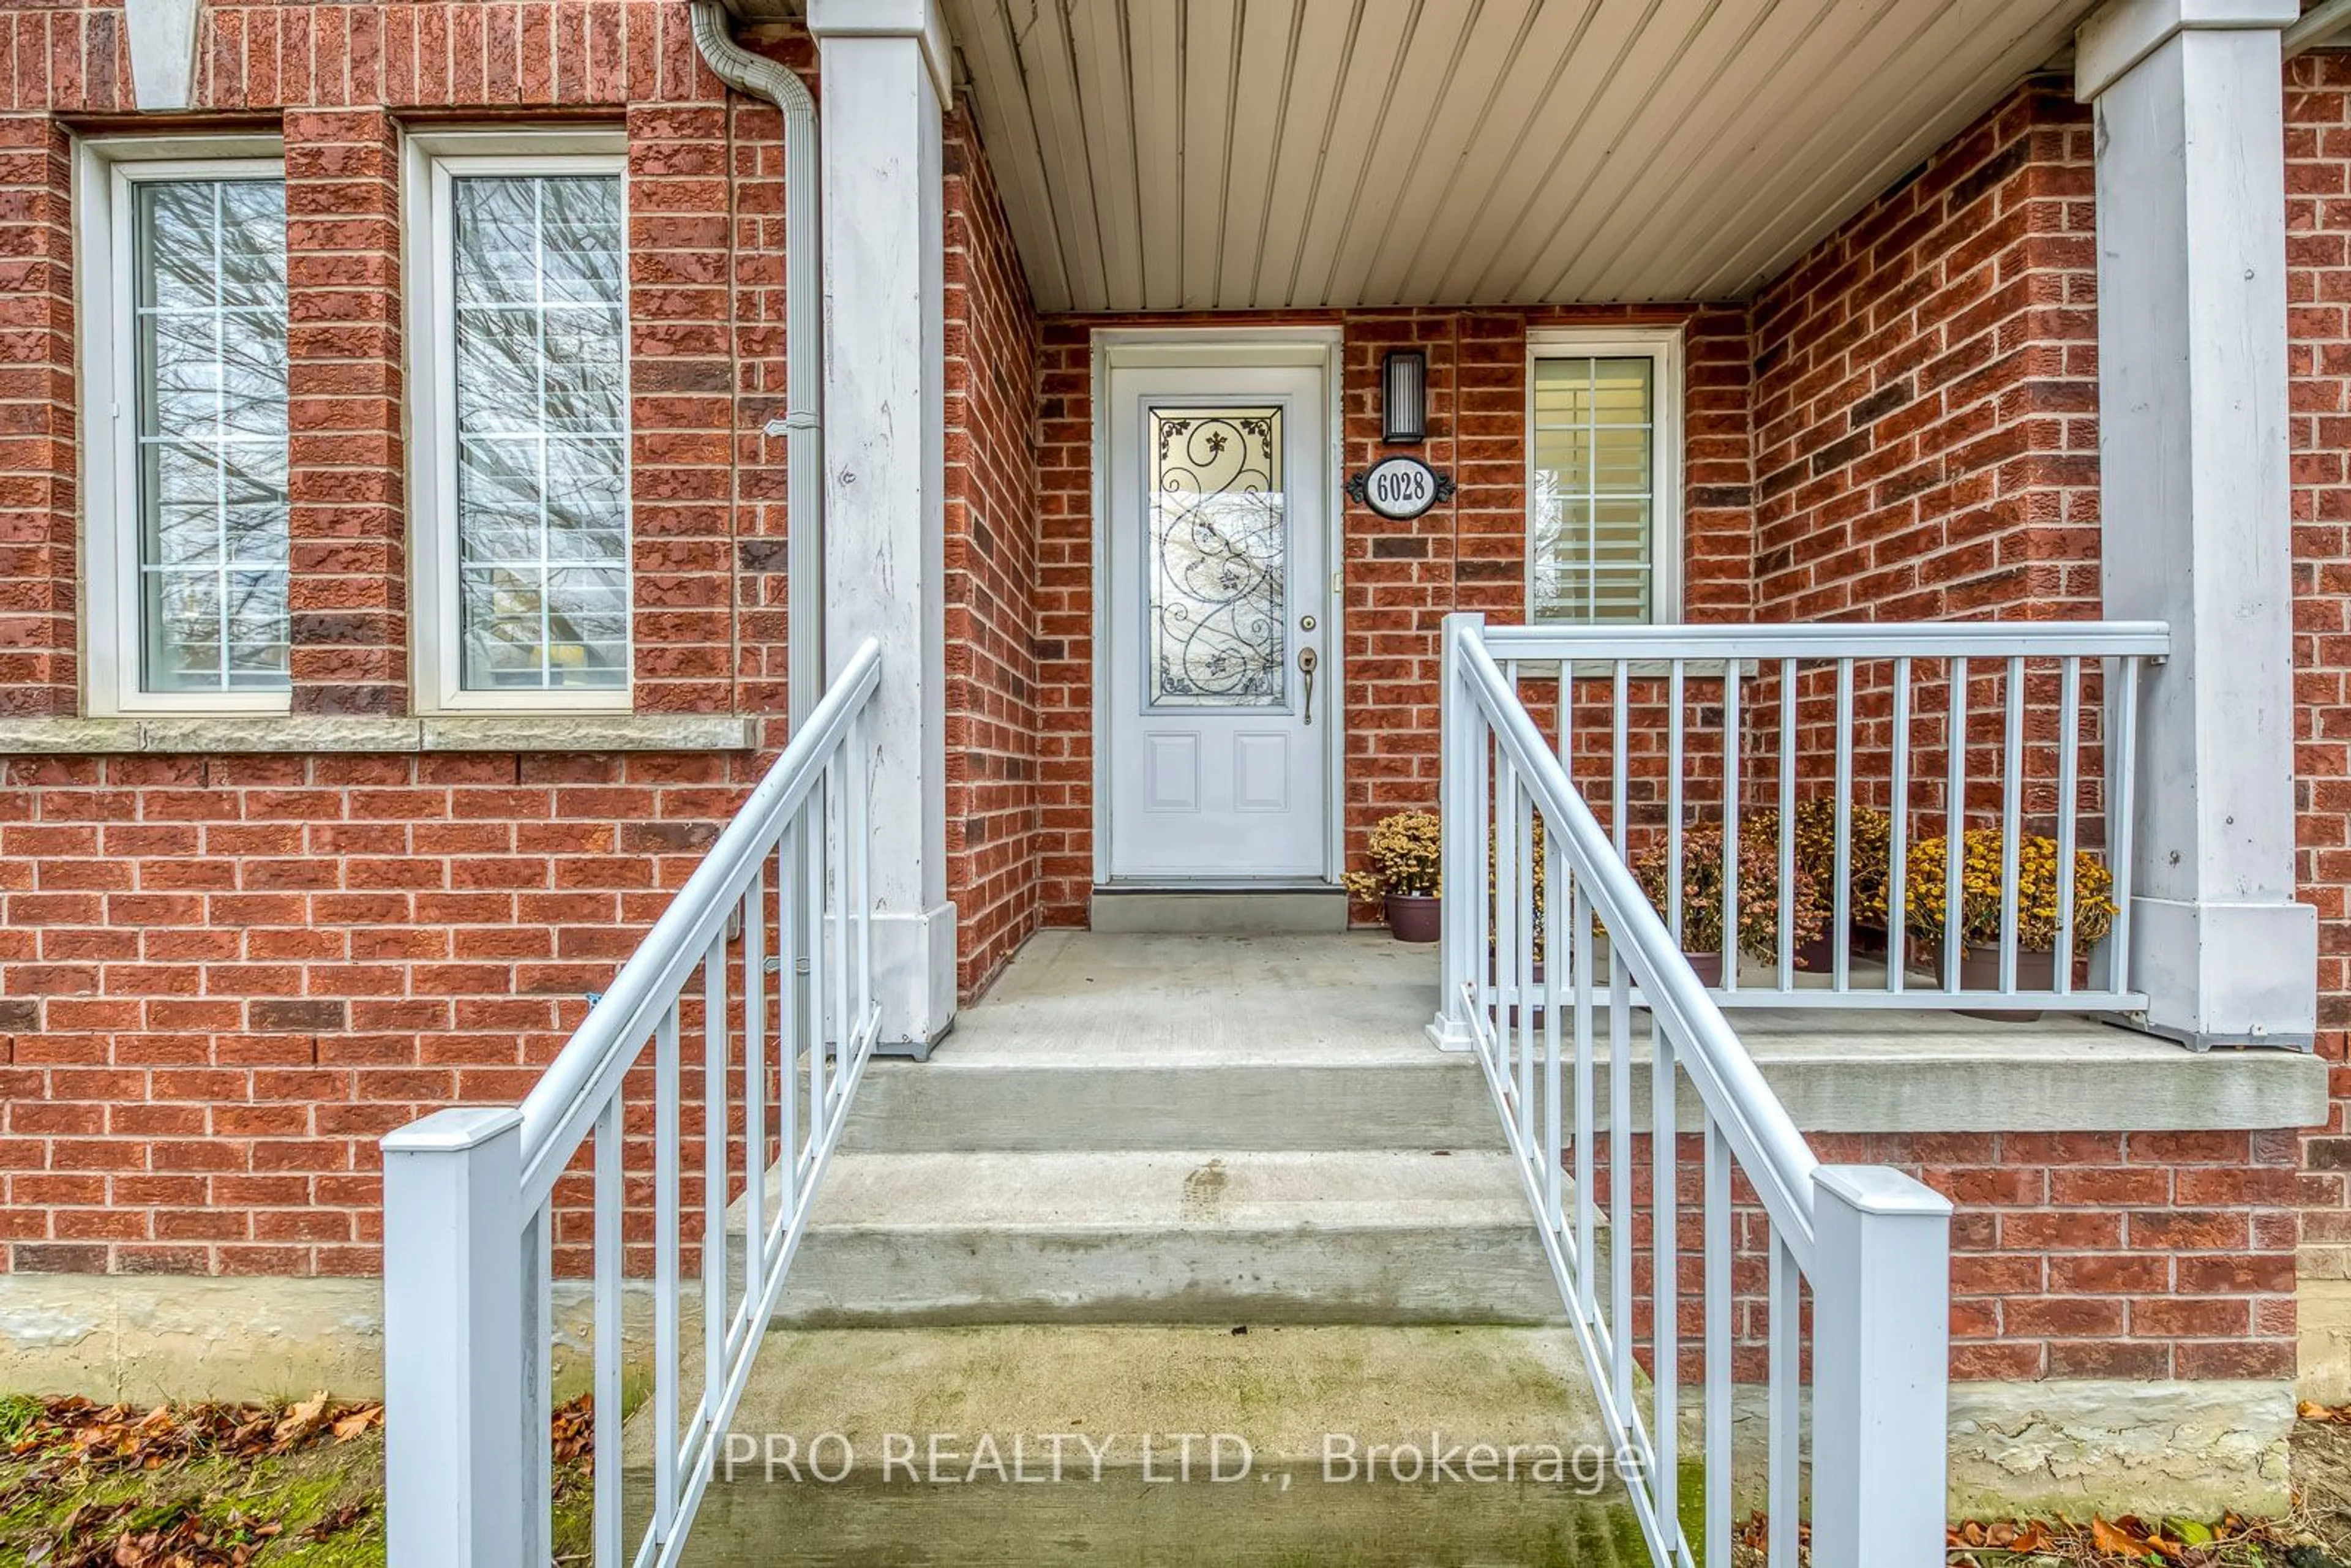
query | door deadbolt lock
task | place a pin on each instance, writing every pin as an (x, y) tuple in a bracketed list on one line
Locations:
[(1306, 623)]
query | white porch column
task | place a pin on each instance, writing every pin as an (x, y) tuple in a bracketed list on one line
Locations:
[(883, 65), (2193, 491)]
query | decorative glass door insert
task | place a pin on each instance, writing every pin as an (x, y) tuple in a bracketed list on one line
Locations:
[(1217, 618)]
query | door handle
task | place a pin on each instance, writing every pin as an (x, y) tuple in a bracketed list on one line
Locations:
[(1307, 660)]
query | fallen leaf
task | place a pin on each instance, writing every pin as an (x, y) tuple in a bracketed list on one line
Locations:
[(346, 1427), (301, 1421), (2110, 1536), (336, 1520)]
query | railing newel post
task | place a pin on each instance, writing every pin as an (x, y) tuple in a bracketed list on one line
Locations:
[(454, 1341), (1458, 867), (1881, 1369)]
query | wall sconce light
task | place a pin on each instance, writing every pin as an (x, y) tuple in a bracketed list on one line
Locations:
[(1404, 397)]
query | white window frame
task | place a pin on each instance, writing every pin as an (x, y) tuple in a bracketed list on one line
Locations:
[(431, 160), (1663, 347), (106, 172)]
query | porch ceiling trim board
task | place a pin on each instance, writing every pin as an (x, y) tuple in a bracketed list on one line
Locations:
[(1211, 154)]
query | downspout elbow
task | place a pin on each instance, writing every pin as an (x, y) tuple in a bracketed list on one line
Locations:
[(746, 72)]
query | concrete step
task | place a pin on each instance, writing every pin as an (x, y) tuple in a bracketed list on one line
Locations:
[(1187, 1042), (1191, 1236), (1218, 1096), (1284, 1521), (1213, 912), (1290, 1417)]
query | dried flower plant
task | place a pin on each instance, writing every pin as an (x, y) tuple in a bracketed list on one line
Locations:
[(1758, 889), (1869, 852), (1532, 872), (1406, 851)]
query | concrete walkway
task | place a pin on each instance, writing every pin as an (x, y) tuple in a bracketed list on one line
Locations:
[(1037, 1447)]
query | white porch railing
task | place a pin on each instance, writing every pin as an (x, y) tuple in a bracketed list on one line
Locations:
[(470, 1216), (1872, 1244), (1752, 739)]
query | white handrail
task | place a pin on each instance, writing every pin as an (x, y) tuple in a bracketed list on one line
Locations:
[(1768, 1146), (2017, 741), (561, 1107), (1838, 639), (471, 1195), (1530, 878)]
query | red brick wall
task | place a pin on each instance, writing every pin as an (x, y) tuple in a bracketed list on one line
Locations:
[(347, 559), (1926, 390), (222, 978), (991, 571), (39, 666), (1925, 444), (2140, 1255), (226, 977), (1401, 579), (2318, 258)]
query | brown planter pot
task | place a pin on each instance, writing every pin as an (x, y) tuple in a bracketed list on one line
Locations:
[(1414, 917), (1708, 966), (1818, 957), (1979, 971)]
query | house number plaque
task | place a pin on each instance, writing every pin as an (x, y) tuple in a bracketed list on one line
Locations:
[(1400, 488)]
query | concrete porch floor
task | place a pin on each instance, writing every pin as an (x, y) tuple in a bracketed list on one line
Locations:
[(1181, 996), (1293, 1006)]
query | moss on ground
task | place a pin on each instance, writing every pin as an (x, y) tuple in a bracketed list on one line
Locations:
[(81, 1488), (321, 1509), (321, 1506)]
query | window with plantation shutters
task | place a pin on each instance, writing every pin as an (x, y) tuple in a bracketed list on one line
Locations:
[(1602, 492)]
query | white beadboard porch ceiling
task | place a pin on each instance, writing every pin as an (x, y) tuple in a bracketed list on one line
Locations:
[(1257, 155)]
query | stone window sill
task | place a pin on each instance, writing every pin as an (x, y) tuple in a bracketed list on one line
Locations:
[(281, 733)]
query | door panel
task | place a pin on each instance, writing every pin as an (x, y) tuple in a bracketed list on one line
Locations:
[(1219, 579)]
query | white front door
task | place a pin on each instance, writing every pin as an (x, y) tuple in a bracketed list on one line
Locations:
[(1221, 698)]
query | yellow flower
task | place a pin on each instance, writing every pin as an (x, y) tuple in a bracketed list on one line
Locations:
[(1926, 882)]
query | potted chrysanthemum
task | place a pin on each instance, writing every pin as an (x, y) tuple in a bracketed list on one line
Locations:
[(1406, 853), (1703, 940), (1869, 846), (1925, 898)]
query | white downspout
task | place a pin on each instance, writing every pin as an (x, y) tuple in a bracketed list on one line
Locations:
[(802, 425)]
